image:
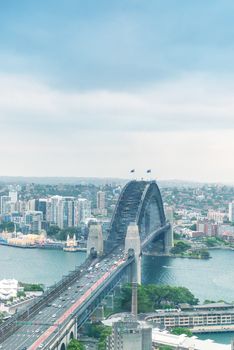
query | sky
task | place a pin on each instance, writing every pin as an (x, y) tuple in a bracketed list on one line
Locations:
[(96, 88)]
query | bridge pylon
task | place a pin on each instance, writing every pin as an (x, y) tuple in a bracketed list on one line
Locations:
[(95, 239), (133, 242), (168, 238)]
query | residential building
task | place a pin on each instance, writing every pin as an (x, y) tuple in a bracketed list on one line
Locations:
[(5, 205), (101, 200), (33, 220), (8, 289), (13, 196), (82, 211)]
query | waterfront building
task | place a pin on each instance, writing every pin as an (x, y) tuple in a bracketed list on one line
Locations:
[(199, 318), (71, 245), (182, 342), (8, 289)]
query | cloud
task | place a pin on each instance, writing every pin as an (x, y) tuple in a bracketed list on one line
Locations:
[(193, 102), (181, 129)]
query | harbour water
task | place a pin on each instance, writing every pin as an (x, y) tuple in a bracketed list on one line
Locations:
[(37, 265), (211, 279)]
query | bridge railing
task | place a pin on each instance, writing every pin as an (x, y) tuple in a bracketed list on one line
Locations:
[(81, 315)]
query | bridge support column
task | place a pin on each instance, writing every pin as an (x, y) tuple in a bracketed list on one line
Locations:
[(132, 241), (95, 239), (168, 238)]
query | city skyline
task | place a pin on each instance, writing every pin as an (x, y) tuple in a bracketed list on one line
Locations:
[(96, 89)]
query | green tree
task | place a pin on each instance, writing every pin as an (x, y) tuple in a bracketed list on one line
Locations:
[(180, 247), (53, 231), (165, 347), (100, 332), (152, 297), (75, 345), (182, 330), (204, 254), (7, 226), (20, 294)]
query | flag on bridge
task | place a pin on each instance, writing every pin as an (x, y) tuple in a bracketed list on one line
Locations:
[(148, 171), (132, 171)]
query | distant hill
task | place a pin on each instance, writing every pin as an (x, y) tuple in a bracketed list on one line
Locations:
[(60, 180), (94, 180)]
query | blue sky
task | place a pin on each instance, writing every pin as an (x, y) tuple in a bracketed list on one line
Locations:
[(93, 88)]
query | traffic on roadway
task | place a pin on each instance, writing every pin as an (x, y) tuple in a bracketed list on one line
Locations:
[(47, 324)]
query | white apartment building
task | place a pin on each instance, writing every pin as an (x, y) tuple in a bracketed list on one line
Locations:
[(82, 211), (8, 289)]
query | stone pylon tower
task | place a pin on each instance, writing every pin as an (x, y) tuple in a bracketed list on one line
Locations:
[(95, 239), (132, 241), (168, 239)]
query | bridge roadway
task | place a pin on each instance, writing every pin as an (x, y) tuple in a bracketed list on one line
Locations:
[(40, 330)]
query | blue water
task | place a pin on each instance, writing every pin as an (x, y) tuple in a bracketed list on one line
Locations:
[(211, 279), (207, 279), (37, 265)]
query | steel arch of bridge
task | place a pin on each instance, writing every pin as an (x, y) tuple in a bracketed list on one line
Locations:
[(137, 199)]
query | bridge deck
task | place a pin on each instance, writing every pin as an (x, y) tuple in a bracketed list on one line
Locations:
[(47, 324)]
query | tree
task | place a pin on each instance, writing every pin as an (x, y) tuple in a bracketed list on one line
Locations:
[(180, 247), (204, 254), (182, 330), (152, 297), (7, 226), (75, 345), (53, 231), (100, 332), (165, 347)]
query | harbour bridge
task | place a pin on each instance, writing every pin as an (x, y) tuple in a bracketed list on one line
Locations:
[(55, 318)]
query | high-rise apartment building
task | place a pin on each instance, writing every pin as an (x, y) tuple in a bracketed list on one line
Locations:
[(33, 220), (61, 211), (41, 205), (68, 212), (55, 210), (13, 196), (5, 205), (82, 210), (101, 200)]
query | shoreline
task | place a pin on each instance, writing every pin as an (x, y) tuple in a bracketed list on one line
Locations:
[(44, 247)]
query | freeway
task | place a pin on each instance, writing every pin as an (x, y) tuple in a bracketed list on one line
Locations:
[(46, 325)]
